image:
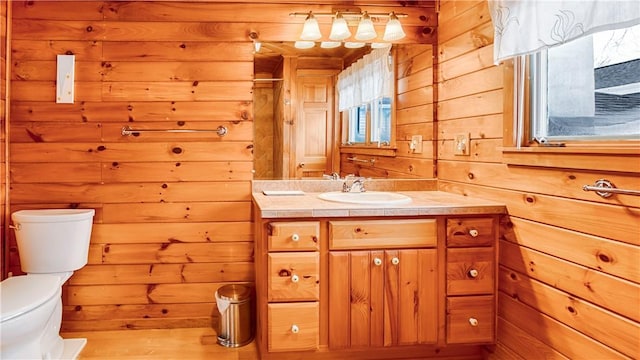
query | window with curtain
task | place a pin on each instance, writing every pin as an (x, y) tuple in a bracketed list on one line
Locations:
[(577, 68), (365, 93)]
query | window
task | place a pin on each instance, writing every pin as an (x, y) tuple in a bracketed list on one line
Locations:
[(587, 89), (365, 93), (375, 116)]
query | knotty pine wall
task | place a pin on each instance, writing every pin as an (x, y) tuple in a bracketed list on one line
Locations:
[(173, 211), (414, 116), (569, 260), (3, 119), (173, 218)]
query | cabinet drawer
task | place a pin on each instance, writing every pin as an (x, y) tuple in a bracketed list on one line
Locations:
[(293, 276), (470, 319), (365, 234), (293, 326), (470, 232), (470, 271), (294, 236)]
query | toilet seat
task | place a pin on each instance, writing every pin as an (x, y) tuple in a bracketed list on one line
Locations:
[(21, 294)]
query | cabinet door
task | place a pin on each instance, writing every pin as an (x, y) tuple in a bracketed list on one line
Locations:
[(382, 298), (417, 299)]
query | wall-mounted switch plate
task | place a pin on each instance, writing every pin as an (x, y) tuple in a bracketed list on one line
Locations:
[(461, 144), (65, 79), (416, 144)]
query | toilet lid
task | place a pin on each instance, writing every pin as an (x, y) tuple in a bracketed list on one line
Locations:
[(20, 294)]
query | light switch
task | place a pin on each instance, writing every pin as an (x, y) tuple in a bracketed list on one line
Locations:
[(461, 144), (65, 79), (416, 144)]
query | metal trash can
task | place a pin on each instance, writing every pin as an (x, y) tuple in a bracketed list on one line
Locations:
[(235, 304)]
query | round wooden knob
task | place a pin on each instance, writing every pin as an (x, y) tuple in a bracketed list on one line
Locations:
[(473, 233), (473, 273), (473, 321), (295, 329), (395, 261), (377, 261), (295, 237), (295, 278)]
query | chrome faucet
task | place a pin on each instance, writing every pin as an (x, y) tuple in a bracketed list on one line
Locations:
[(356, 186)]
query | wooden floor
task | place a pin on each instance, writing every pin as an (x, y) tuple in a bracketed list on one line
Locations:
[(187, 344)]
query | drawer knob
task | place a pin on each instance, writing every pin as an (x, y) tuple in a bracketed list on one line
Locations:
[(473, 322), (395, 261), (377, 261), (295, 237), (473, 273), (295, 329), (295, 278), (473, 233)]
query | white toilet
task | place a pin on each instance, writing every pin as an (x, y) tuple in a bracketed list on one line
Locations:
[(52, 244)]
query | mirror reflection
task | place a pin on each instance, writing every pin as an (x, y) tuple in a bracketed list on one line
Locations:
[(297, 130)]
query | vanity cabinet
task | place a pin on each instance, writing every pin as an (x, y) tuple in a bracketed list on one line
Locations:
[(384, 287), (471, 280)]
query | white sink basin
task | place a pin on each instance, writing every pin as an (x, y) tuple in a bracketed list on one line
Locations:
[(367, 197)]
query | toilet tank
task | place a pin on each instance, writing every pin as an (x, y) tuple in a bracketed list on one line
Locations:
[(53, 240)]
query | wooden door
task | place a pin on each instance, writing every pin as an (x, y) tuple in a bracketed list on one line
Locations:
[(382, 298), (314, 129)]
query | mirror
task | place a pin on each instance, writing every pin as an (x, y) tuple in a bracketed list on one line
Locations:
[(293, 85)]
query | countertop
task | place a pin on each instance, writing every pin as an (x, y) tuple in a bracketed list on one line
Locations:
[(426, 202)]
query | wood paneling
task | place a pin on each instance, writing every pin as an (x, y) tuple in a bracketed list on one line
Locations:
[(173, 210), (568, 275), (4, 81)]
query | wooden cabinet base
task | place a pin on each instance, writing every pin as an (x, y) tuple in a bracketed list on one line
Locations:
[(459, 352)]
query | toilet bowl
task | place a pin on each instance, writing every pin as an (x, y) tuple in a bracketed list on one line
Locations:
[(31, 314), (52, 244)]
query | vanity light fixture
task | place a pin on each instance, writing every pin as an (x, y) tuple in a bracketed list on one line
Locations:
[(330, 44), (304, 44), (311, 29), (366, 31), (393, 31), (380, 45), (354, 45), (340, 27)]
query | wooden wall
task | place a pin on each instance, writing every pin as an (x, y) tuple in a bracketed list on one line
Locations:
[(569, 260), (173, 218), (173, 210), (414, 116), (4, 80)]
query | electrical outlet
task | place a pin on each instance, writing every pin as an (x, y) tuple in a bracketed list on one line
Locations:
[(461, 144), (416, 144)]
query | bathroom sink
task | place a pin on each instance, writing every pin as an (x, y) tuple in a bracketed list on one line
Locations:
[(367, 197)]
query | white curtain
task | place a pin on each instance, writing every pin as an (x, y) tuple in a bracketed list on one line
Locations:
[(368, 79), (523, 27)]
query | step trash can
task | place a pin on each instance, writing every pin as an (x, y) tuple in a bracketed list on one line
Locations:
[(236, 306)]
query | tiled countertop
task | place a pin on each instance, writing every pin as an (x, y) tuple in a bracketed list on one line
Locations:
[(424, 202)]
